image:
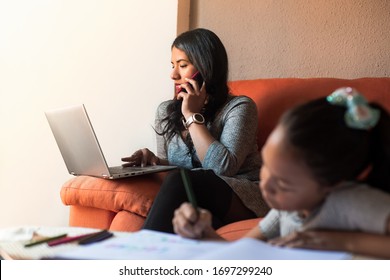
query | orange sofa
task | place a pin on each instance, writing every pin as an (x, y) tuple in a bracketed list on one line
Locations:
[(123, 204)]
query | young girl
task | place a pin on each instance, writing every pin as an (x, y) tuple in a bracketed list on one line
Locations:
[(326, 176)]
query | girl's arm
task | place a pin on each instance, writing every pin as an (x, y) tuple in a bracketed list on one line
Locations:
[(255, 233), (366, 244)]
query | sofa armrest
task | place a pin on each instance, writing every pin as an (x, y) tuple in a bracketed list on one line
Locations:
[(134, 194)]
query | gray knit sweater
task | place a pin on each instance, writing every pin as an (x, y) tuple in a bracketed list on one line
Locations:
[(233, 155)]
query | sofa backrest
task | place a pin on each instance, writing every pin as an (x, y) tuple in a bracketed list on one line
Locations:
[(274, 96)]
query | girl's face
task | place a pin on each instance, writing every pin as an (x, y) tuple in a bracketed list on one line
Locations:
[(285, 181), (181, 67)]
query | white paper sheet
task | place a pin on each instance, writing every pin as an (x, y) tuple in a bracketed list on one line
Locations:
[(148, 245), (143, 245)]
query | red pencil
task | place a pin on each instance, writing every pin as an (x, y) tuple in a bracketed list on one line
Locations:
[(69, 239)]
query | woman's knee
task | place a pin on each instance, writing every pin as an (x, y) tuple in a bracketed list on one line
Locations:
[(172, 189), (172, 181)]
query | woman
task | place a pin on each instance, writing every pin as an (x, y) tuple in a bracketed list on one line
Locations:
[(210, 132)]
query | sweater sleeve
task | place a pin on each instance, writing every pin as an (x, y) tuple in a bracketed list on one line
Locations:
[(270, 225), (237, 140)]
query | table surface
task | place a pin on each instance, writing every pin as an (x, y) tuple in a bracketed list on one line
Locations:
[(12, 241)]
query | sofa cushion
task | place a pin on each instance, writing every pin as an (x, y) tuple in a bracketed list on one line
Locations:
[(121, 222), (90, 217), (135, 194), (238, 229)]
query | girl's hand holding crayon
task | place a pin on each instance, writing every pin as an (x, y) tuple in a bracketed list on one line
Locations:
[(191, 223)]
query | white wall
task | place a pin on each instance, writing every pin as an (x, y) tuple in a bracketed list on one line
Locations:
[(113, 56)]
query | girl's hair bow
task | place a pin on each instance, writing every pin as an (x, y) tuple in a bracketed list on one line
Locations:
[(359, 115)]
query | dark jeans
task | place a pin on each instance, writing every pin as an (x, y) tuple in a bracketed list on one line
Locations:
[(211, 192)]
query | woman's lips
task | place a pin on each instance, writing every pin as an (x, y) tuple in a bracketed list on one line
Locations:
[(178, 88)]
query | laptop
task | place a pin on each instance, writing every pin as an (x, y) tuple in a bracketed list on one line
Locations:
[(80, 148)]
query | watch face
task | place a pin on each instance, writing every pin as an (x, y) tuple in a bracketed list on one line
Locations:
[(199, 118)]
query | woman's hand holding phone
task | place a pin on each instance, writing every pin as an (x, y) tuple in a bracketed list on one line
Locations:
[(193, 94)]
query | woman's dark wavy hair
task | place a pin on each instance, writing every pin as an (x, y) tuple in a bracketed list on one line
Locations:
[(207, 53), (335, 152)]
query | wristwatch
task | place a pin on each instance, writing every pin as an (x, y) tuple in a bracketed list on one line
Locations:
[(195, 118)]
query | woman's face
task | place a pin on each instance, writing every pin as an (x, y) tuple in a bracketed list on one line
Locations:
[(181, 68), (285, 180)]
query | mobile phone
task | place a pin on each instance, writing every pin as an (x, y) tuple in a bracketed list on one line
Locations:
[(198, 78)]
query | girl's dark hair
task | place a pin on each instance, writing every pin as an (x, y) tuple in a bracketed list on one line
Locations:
[(335, 152), (207, 53)]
